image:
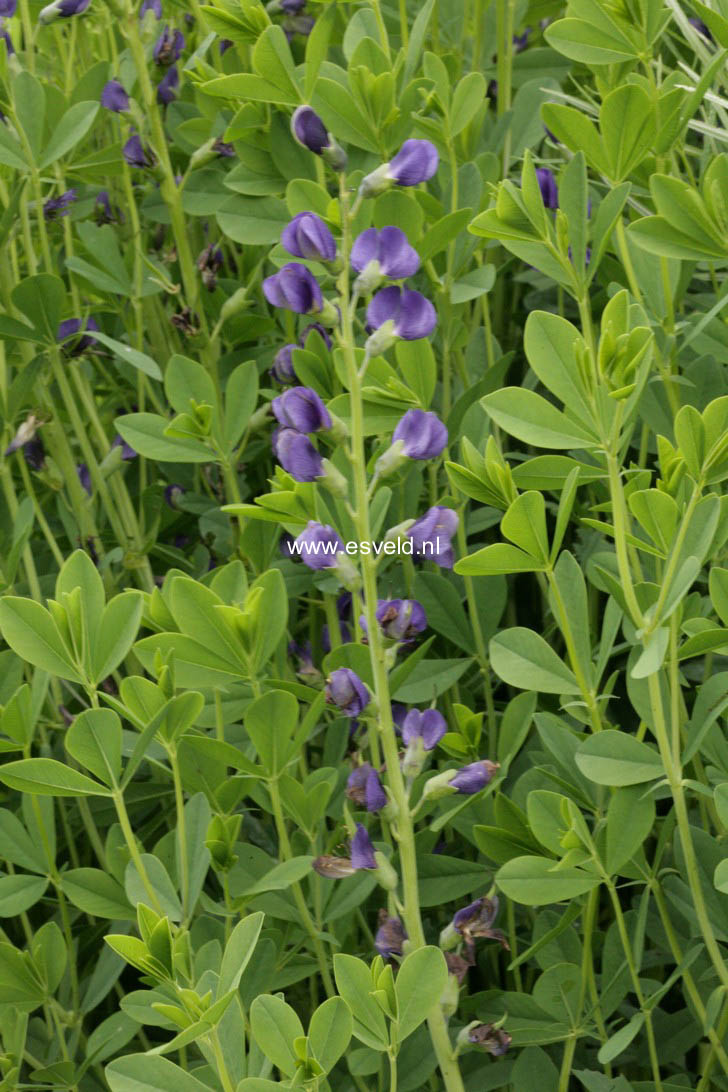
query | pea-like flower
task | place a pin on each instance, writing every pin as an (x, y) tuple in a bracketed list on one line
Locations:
[(10, 48), (386, 253), (84, 476), (428, 726), (401, 619), (8, 8), (421, 434), (34, 453), (318, 546), (167, 86), (396, 312), (548, 187), (137, 154), (56, 207), (364, 788), (168, 46), (154, 6), (301, 408), (495, 1041), (114, 97), (362, 850), (431, 535), (472, 778), (309, 130), (390, 936), (69, 328), (477, 920), (346, 690), (282, 368), (307, 236), (415, 162), (294, 288), (62, 9), (297, 455)]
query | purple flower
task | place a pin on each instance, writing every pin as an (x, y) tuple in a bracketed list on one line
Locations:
[(223, 148), (297, 455), (72, 326), (548, 187), (318, 546), (225, 45), (34, 453), (136, 154), (399, 714), (365, 789), (114, 97), (400, 619), (282, 367), (520, 41), (700, 27), (429, 726), (7, 39), (103, 212), (390, 936), (477, 919), (422, 434), (172, 494), (415, 162), (84, 477), (63, 8), (319, 330), (304, 655), (309, 130), (495, 1041), (408, 315), (301, 408), (290, 7), (345, 689), (389, 249), (168, 46), (166, 88), (127, 451), (295, 288), (307, 236), (151, 5), (56, 207), (8, 8), (431, 535), (474, 777), (362, 850)]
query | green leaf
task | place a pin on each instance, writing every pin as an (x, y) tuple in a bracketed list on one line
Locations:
[(536, 881), (552, 344), (238, 952), (275, 1025), (270, 722), (41, 298), (629, 126), (241, 395), (116, 633), (94, 740), (630, 817), (354, 983), (71, 129), (420, 983), (137, 359), (525, 525), (150, 1073), (252, 220), (500, 558), (522, 658), (616, 758), (160, 882), (19, 893), (33, 635), (616, 1044), (47, 777), (467, 99), (96, 893), (530, 418), (145, 433), (581, 41), (330, 1031)]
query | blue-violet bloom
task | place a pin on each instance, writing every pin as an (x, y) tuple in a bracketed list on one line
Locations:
[(307, 236), (473, 777), (401, 619), (396, 312), (167, 86), (297, 455), (386, 253), (429, 726), (56, 207), (135, 154), (301, 408), (431, 535), (318, 546), (168, 46), (295, 288), (364, 788), (362, 850), (309, 130), (346, 690), (114, 97), (548, 187), (390, 936), (415, 162)]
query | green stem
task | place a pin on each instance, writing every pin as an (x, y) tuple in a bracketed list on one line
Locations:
[(130, 839), (184, 865)]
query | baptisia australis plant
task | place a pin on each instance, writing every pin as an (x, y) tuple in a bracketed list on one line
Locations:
[(345, 298)]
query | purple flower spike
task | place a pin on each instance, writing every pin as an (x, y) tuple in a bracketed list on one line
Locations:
[(362, 850), (307, 236), (415, 162), (151, 5), (390, 936), (168, 46), (474, 777), (114, 97), (295, 288), (431, 535), (318, 546), (167, 86), (297, 455), (364, 788), (56, 207), (72, 326), (282, 367), (345, 689), (389, 249), (422, 433), (136, 154), (301, 408), (429, 726), (408, 315), (548, 187), (401, 619)]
